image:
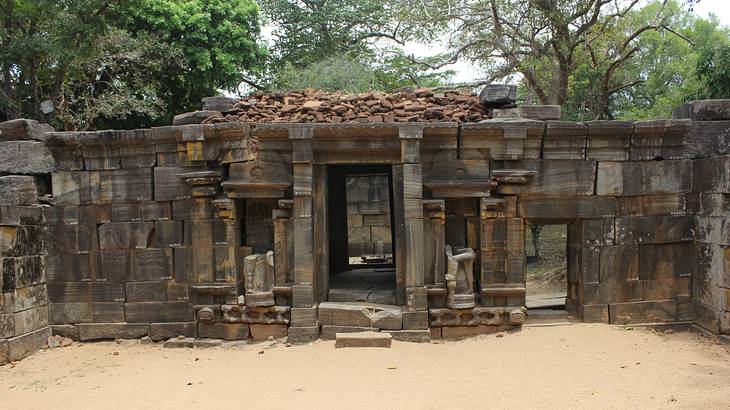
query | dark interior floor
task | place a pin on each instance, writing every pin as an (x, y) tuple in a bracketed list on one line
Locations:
[(374, 285)]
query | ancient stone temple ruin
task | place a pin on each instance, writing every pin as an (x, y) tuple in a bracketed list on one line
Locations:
[(307, 215)]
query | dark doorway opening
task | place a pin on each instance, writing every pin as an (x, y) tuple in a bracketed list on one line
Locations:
[(361, 232), (546, 249)]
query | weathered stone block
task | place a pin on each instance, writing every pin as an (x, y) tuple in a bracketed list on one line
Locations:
[(412, 336), (19, 190), (25, 157), (363, 339), (304, 317), (390, 319), (643, 312), (594, 313), (164, 331), (304, 334), (225, 331), (342, 314), (25, 345), (712, 174), (644, 177), (69, 331), (97, 331), (261, 332), (4, 352), (415, 320), (30, 320), (263, 315), (329, 332), (64, 313)]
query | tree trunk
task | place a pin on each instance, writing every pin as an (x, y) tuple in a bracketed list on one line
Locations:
[(535, 229)]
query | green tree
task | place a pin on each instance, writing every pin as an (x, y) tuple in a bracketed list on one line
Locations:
[(219, 41), (344, 45), (123, 63), (556, 46)]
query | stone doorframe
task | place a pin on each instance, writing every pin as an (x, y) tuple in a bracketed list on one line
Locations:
[(309, 220)]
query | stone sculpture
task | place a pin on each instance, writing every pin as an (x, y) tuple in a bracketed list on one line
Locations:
[(259, 270), (460, 277)]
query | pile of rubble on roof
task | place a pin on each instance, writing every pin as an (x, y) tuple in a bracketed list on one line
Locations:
[(423, 105)]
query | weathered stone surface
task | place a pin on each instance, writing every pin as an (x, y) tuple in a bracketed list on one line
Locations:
[(64, 313), (225, 331), (304, 317), (66, 331), (97, 331), (343, 314), (164, 331), (643, 312), (22, 129), (704, 110), (466, 317), (594, 313), (498, 95), (390, 319), (412, 336), (415, 320), (363, 339), (26, 158), (329, 332), (29, 320), (19, 190), (4, 352), (263, 315), (195, 117), (25, 345), (712, 174), (644, 177), (260, 332), (303, 334), (455, 332), (219, 103)]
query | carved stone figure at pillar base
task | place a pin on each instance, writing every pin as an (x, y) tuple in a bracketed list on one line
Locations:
[(259, 271), (460, 278)]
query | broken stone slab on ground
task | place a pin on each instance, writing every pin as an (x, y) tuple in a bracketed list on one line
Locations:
[(363, 339)]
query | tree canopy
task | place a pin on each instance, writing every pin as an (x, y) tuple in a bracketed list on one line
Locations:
[(84, 64), (98, 62)]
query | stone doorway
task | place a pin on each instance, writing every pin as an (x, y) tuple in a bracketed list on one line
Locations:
[(546, 252), (361, 234)]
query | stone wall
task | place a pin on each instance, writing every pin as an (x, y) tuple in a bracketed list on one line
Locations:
[(24, 321), (217, 230), (368, 214)]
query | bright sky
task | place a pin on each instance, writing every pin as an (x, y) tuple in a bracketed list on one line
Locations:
[(467, 72)]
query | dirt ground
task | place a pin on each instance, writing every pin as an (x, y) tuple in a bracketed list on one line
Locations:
[(580, 365)]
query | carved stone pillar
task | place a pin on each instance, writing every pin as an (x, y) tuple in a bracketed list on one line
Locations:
[(408, 178), (303, 290)]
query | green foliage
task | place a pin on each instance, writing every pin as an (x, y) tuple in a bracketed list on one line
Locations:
[(713, 69), (343, 73), (122, 63), (218, 41), (344, 45), (333, 74)]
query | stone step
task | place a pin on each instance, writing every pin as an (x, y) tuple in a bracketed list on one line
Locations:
[(363, 339), (355, 314)]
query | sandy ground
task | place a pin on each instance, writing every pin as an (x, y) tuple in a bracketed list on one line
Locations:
[(574, 366)]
